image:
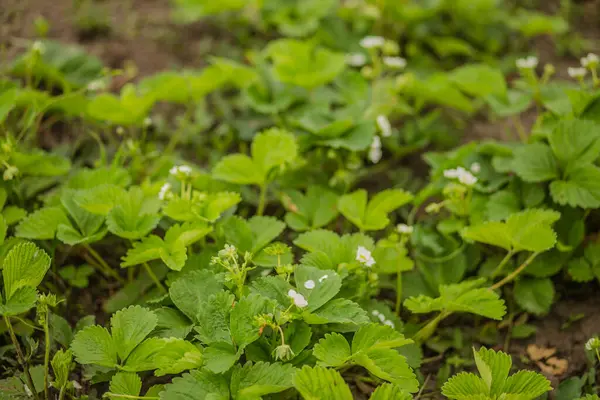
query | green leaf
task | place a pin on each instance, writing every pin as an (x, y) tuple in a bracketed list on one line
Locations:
[(102, 198), (494, 368), (575, 140), (535, 163), (61, 366), (133, 217), (41, 224), (273, 148), (534, 295), (125, 383), (338, 311), (333, 350), (178, 355), (479, 80), (213, 318), (244, 329), (528, 384), (21, 301), (318, 383), (240, 169), (465, 386), (220, 357), (375, 336), (253, 381), (184, 235), (264, 231), (191, 291), (130, 327), (172, 323), (197, 385), (24, 265), (372, 215), (388, 365), (272, 287), (323, 290), (581, 188), (94, 345), (389, 391), (312, 210)]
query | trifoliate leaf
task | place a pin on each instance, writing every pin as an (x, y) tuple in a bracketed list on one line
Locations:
[(256, 380), (213, 318), (388, 365), (197, 385), (130, 326), (244, 329), (191, 291), (184, 235), (77, 276), (325, 285), (527, 385), (534, 295), (273, 148), (388, 391), (465, 386), (333, 350), (153, 248), (87, 227), (125, 383), (238, 168), (580, 188), (494, 368), (375, 336), (318, 383), (338, 311), (133, 217), (372, 215), (24, 265), (535, 163), (101, 199), (312, 210), (94, 345), (42, 224)]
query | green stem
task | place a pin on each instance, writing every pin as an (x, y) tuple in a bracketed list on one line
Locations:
[(20, 356), (153, 276), (128, 396), (61, 394), (398, 292), (262, 199), (427, 331), (47, 356), (502, 263), (515, 273), (108, 271)]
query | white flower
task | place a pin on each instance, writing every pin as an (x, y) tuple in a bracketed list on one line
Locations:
[(371, 42), (298, 299), (527, 63), (389, 323), (454, 173), (321, 279), (394, 62), (381, 317), (375, 152), (229, 251), (475, 168), (364, 256), (591, 60), (592, 344), (403, 228), (164, 190), (97, 85), (467, 178), (576, 73), (310, 284), (384, 126), (77, 385), (375, 313), (181, 170), (38, 47), (356, 59)]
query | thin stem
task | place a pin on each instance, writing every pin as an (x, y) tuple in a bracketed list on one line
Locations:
[(398, 291), (20, 356), (262, 199), (61, 394), (427, 331), (153, 276), (107, 269), (47, 356), (514, 274), (502, 264)]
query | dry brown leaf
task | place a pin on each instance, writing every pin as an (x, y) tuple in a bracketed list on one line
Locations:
[(554, 366), (537, 353)]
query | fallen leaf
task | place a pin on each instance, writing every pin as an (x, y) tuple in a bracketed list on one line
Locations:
[(554, 366), (537, 353)]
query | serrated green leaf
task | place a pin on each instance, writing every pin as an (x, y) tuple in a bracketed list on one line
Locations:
[(130, 326), (24, 265), (494, 368), (41, 224), (389, 391), (22, 300), (264, 231), (100, 199), (125, 383), (372, 215), (273, 148), (244, 329), (575, 140), (338, 311), (220, 357), (388, 365), (213, 318), (146, 355), (535, 163), (464, 386), (272, 287), (197, 385), (191, 291), (177, 356), (333, 350), (581, 188), (183, 235), (479, 80), (312, 210), (238, 168), (323, 289), (527, 384), (253, 381), (61, 366), (94, 345), (534, 295), (375, 336), (318, 383)]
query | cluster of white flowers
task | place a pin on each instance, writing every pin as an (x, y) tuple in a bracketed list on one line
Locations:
[(383, 319), (181, 170), (375, 152), (465, 177), (576, 73), (298, 299), (394, 62), (527, 63), (404, 229), (364, 256), (383, 123), (164, 190), (372, 42), (356, 59), (592, 344), (590, 61), (229, 251)]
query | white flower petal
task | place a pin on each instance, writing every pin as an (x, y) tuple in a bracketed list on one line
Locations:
[(371, 42), (384, 126), (310, 284)]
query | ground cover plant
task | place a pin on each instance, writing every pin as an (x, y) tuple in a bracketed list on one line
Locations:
[(301, 216)]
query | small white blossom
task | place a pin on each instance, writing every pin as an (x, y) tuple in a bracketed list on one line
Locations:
[(229, 251), (321, 279), (454, 173), (356, 59), (475, 168), (389, 323), (381, 317), (592, 344), (394, 62), (384, 126), (467, 179), (375, 313), (97, 85), (364, 256), (164, 190), (76, 385), (298, 299), (38, 47), (576, 73), (527, 63), (591, 61), (406, 229), (310, 284), (371, 42), (375, 152), (181, 170)]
